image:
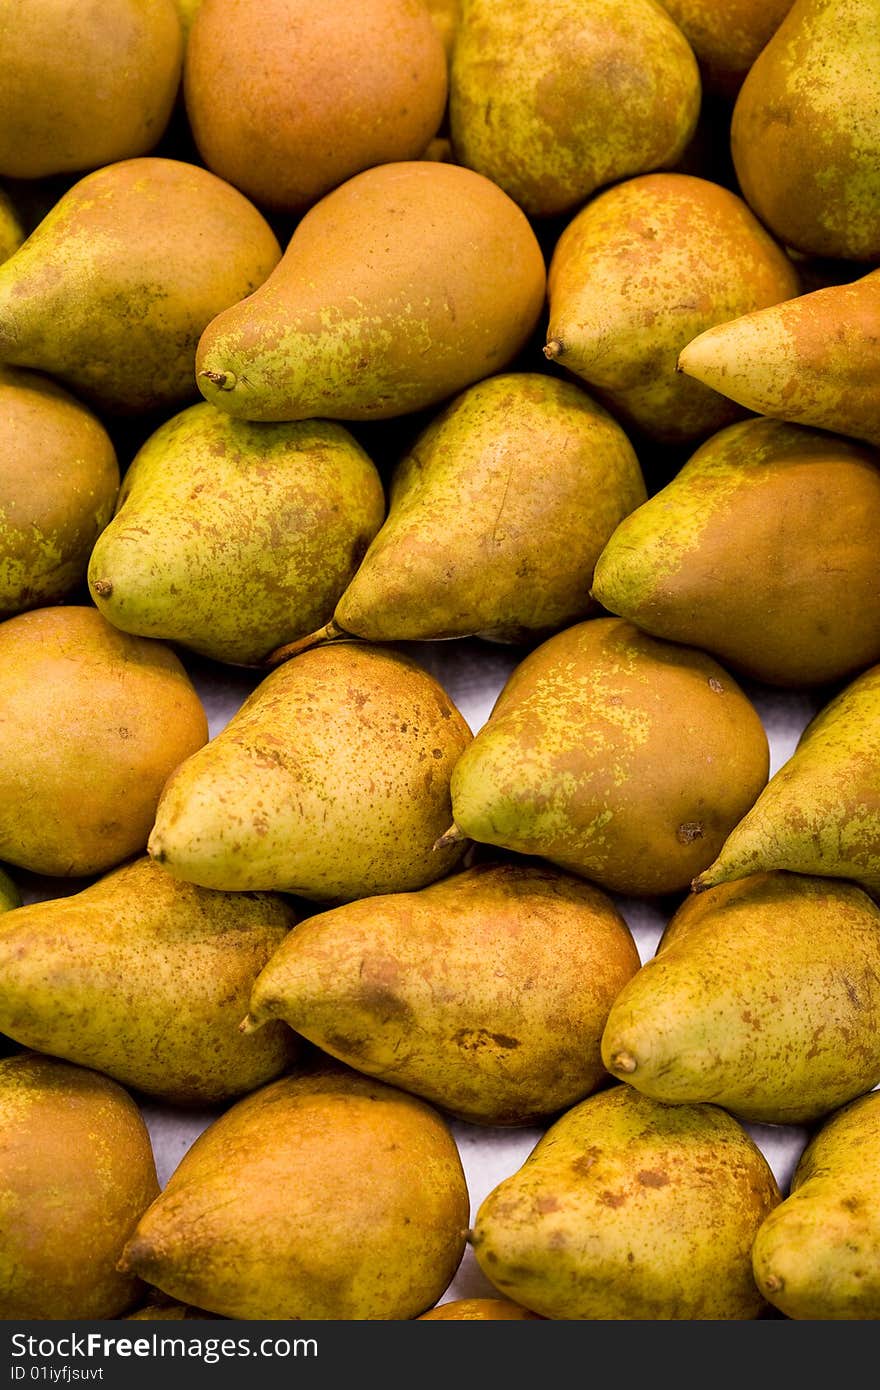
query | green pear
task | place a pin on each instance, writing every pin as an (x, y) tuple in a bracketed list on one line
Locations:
[(805, 133), (615, 755), (94, 722), (112, 289), (464, 550), (818, 814), (323, 1196), (629, 1209), (637, 274), (404, 285), (11, 230), (188, 957), (76, 1174), (232, 538), (331, 781), (817, 1256), (810, 360), (59, 484), (553, 102), (486, 993), (761, 550), (761, 997), (10, 897)]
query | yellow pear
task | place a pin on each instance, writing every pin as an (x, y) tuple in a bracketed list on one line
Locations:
[(615, 755), (818, 814), (93, 723), (486, 993), (76, 1174), (398, 289), (331, 781), (112, 289), (11, 230), (478, 1310), (323, 1196), (810, 360), (10, 896), (189, 958), (761, 997), (629, 1209), (637, 274), (817, 1256)]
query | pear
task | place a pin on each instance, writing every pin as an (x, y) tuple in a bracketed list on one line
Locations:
[(288, 98), (85, 85), (231, 538), (76, 1174), (321, 1196), (629, 1209), (761, 550), (805, 133), (11, 230), (614, 755), (818, 814), (810, 360), (552, 103), (817, 1256), (188, 957), (637, 274), (398, 289), (331, 782), (446, 15), (112, 289), (761, 997), (10, 897), (479, 1310), (727, 37), (93, 723), (486, 993), (58, 487), (464, 549)]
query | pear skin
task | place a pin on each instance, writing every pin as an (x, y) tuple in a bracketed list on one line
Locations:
[(820, 813), (331, 782), (112, 289), (84, 86), (726, 38), (76, 1174), (478, 1310), (629, 1209), (94, 722), (552, 104), (805, 133), (637, 274), (189, 958), (811, 360), (397, 290), (230, 538), (464, 550), (486, 993), (616, 756), (761, 550), (761, 997), (11, 230), (321, 1196), (58, 488), (817, 1256), (10, 896)]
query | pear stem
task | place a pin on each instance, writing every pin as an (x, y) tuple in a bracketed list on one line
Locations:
[(453, 836), (555, 348), (225, 381), (330, 632)]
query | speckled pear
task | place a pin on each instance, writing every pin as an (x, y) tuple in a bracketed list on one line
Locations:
[(728, 37), (331, 781), (805, 133), (615, 755), (554, 102), (231, 538), (324, 1196), (637, 274), (761, 997), (627, 1209), (401, 287), (817, 1255), (486, 993), (189, 958), (818, 813), (761, 550), (810, 360)]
